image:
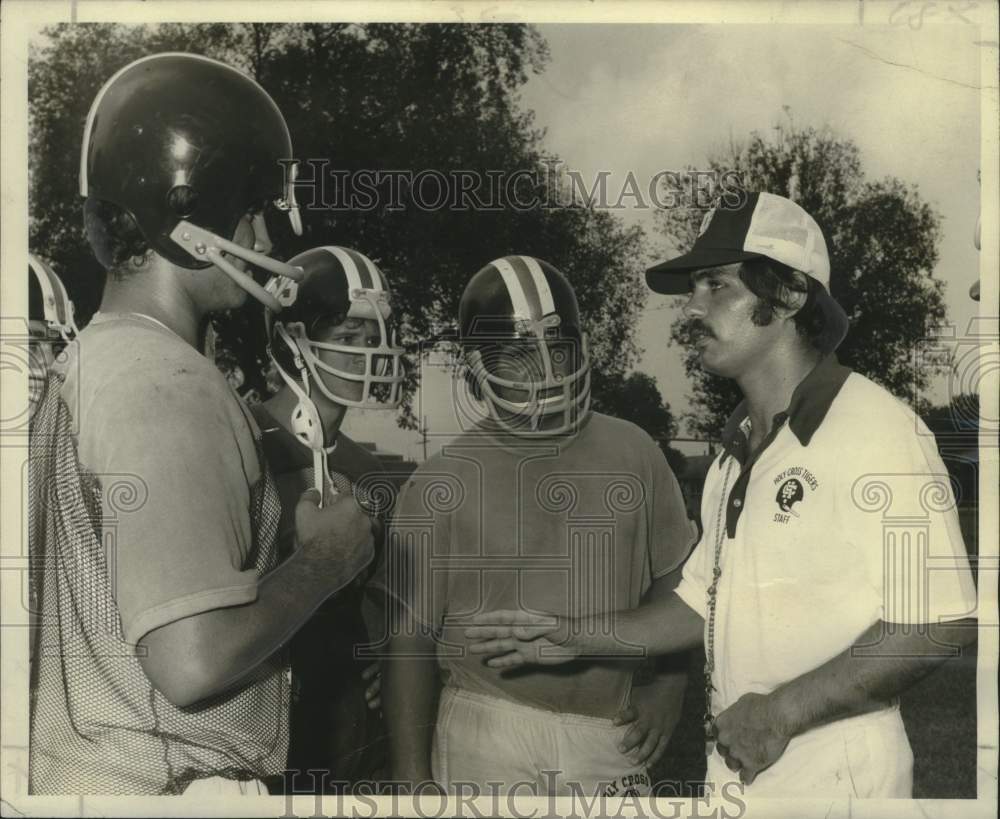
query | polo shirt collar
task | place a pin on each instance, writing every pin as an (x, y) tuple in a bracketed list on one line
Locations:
[(807, 409)]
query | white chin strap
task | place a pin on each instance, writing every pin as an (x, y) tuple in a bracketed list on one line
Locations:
[(203, 244), (306, 424)]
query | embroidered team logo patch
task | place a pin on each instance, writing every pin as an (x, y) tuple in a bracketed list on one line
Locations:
[(793, 488), (790, 493)]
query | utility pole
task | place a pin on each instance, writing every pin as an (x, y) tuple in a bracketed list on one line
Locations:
[(424, 429)]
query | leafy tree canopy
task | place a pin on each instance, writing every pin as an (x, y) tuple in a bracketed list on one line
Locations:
[(379, 97)]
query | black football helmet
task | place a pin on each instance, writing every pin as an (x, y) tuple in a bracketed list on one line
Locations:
[(187, 146), (520, 331)]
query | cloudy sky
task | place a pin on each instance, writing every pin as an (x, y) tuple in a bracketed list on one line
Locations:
[(647, 98)]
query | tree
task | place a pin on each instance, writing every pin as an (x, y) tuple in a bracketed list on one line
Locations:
[(636, 398), (957, 422), (440, 99), (882, 239)]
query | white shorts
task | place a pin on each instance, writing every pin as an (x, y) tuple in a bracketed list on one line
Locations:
[(864, 757), (504, 747)]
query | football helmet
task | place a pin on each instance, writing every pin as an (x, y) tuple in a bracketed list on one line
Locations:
[(50, 324), (50, 311), (187, 146), (527, 357), (337, 284)]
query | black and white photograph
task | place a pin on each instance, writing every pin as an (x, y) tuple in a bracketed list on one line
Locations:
[(500, 409)]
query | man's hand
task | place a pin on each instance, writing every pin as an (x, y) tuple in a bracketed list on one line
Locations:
[(751, 735), (514, 638), (646, 739), (339, 533), (373, 693)]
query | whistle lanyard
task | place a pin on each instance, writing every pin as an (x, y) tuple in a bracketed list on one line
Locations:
[(713, 593)]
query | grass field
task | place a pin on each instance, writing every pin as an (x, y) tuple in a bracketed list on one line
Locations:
[(939, 713)]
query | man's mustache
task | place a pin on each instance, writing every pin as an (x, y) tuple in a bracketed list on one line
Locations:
[(697, 329)]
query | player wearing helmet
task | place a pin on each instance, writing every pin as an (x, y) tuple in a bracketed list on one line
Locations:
[(51, 324), (333, 346), (163, 606), (543, 504)]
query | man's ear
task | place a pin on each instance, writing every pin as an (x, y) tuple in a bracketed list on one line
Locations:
[(794, 298)]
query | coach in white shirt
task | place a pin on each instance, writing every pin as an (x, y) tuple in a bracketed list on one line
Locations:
[(831, 574)]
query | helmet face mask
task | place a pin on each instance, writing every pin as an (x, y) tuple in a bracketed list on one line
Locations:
[(187, 146), (525, 352), (374, 373), (533, 386)]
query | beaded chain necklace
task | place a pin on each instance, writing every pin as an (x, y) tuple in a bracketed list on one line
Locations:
[(713, 592)]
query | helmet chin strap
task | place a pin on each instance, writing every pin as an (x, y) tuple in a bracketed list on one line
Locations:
[(306, 423), (202, 243)]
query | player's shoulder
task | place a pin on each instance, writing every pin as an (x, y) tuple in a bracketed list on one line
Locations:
[(466, 453), (140, 372), (447, 474), (145, 353), (357, 458), (457, 457), (608, 431), (601, 423)]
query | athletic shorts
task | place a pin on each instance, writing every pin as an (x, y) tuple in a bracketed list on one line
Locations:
[(864, 757), (505, 747)]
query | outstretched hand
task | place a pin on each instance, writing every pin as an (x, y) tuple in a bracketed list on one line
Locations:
[(514, 638)]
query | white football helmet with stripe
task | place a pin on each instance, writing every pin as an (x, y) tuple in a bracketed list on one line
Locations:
[(50, 311), (527, 354), (338, 283)]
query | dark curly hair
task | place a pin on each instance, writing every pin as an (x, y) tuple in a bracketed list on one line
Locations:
[(114, 236), (775, 285)]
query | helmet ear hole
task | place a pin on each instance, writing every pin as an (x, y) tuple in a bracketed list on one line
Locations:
[(306, 425), (182, 200)]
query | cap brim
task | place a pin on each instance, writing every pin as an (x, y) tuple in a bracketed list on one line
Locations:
[(673, 277)]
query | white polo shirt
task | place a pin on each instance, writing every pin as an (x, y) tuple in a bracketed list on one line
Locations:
[(845, 517)]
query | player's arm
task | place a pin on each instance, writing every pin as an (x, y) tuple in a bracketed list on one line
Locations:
[(197, 657), (657, 695), (513, 638), (411, 686), (410, 693)]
